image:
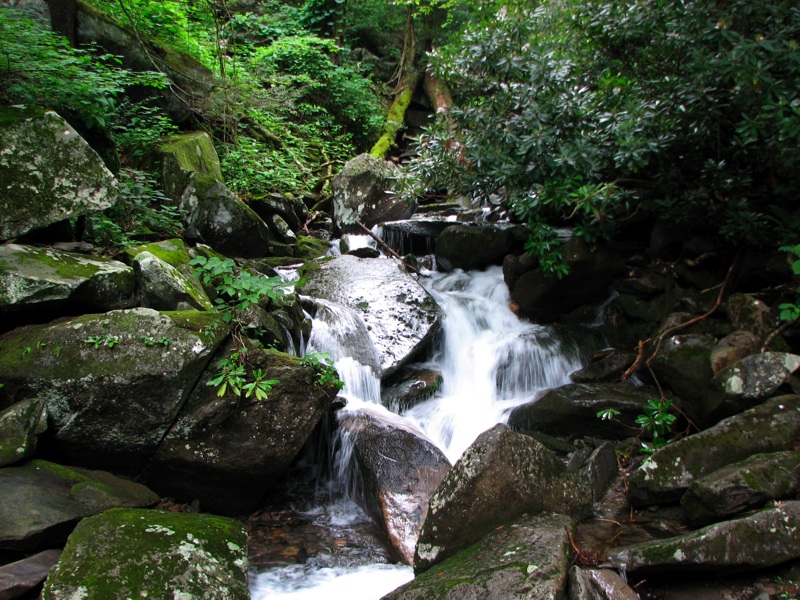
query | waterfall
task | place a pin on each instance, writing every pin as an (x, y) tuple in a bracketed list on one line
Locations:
[(490, 362)]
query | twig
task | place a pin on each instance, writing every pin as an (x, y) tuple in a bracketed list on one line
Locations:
[(582, 557), (775, 333)]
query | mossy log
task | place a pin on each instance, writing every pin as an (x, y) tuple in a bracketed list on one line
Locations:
[(396, 117)]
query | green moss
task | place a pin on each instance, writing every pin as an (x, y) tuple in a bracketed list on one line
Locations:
[(308, 247), (173, 252), (194, 152), (394, 122), (12, 114)]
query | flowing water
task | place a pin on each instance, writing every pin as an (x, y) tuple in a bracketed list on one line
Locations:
[(490, 361)]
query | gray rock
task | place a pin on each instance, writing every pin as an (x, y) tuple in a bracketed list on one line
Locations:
[(751, 314), (769, 427), (527, 559), (765, 539), (473, 246), (601, 469), (598, 584), (111, 396), (282, 230), (608, 367), (129, 553), (755, 378), (733, 347), (416, 236), (742, 486), (501, 476), (40, 501), (399, 314), (228, 451), (20, 427), (291, 210), (189, 156), (224, 222), (683, 364), (24, 576), (400, 470), (48, 173), (163, 287), (572, 410), (360, 193), (47, 279)]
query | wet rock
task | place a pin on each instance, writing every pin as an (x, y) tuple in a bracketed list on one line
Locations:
[(410, 386), (400, 470), (359, 245), (292, 211), (474, 246), (543, 298), (111, 396), (163, 287), (502, 475), (742, 486), (606, 367), (733, 347), (769, 427), (44, 279), (24, 577), (528, 558), (40, 501), (281, 230), (684, 365), (598, 584), (48, 173), (755, 378), (399, 314), (137, 51), (750, 314), (360, 193), (128, 553), (226, 223), (228, 451), (572, 410), (765, 539), (601, 469), (415, 236), (20, 427)]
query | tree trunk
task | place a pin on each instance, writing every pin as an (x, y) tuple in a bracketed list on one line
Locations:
[(62, 18)]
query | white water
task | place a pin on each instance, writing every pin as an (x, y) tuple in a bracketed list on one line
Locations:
[(490, 362)]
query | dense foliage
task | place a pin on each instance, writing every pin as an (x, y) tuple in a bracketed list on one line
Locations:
[(585, 112)]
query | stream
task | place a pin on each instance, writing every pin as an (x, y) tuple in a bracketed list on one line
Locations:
[(490, 362)]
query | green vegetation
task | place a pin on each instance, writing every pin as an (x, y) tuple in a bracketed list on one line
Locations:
[(790, 311), (322, 363), (98, 341), (656, 420), (232, 377)]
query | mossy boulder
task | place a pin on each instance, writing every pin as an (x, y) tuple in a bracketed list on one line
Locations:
[(742, 486), (41, 501), (174, 252), (572, 410), (400, 315), (765, 539), (410, 386), (501, 476), (34, 278), (129, 553), (110, 394), (755, 378), (291, 210), (400, 470), (228, 451), (474, 246), (20, 427), (525, 558), (360, 193), (185, 155), (769, 427), (48, 173), (163, 287)]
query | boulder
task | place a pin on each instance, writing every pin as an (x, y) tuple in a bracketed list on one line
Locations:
[(751, 314), (683, 364), (769, 427), (400, 469), (572, 410), (22, 578), (765, 539), (733, 347), (291, 210), (189, 158), (224, 222), (162, 287), (399, 314), (415, 236), (742, 486), (543, 297), (228, 451), (601, 469), (41, 502), (410, 386), (360, 193), (110, 394), (755, 378), (129, 553), (34, 279), (502, 475), (527, 558), (174, 252), (473, 246), (48, 173), (598, 584), (606, 366), (138, 52), (20, 426)]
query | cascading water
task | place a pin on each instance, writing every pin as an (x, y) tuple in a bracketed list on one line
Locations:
[(490, 362)]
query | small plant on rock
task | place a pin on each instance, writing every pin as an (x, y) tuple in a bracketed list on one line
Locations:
[(656, 419), (322, 363), (790, 311)]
